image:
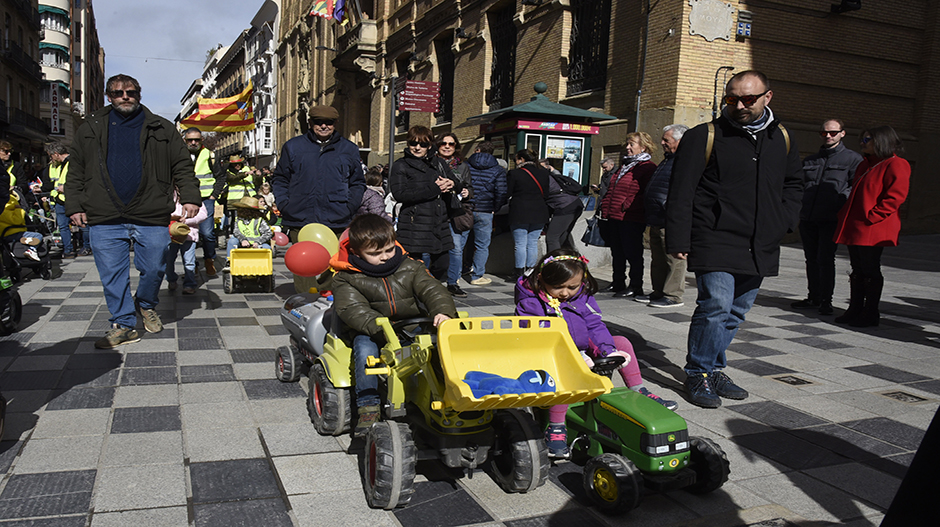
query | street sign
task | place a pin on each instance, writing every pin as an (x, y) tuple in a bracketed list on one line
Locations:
[(417, 96)]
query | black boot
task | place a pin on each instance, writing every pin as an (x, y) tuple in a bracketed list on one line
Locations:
[(869, 316), (856, 300)]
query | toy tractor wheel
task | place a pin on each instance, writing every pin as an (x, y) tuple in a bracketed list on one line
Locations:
[(389, 465), (227, 283), (10, 313), (268, 284), (710, 464), (613, 483), (328, 406), (520, 457), (288, 364)]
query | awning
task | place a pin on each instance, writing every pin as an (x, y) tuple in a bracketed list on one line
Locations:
[(50, 9), (46, 45)]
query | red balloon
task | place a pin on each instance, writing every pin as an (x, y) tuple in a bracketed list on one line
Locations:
[(344, 236), (281, 239), (307, 259)]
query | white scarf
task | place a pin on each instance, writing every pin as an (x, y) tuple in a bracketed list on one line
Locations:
[(631, 161)]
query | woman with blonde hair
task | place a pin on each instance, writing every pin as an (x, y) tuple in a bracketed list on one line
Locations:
[(622, 207)]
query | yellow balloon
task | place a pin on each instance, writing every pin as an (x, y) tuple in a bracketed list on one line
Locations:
[(318, 233)]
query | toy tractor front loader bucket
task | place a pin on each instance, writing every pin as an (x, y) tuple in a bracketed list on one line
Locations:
[(251, 262), (507, 347)]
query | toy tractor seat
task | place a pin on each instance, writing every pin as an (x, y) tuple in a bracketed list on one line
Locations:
[(507, 347)]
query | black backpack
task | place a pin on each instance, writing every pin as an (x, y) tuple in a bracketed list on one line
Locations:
[(568, 185)]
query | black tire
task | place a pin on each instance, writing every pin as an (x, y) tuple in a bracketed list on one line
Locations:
[(288, 364), (269, 284), (520, 458), (390, 457), (710, 464), (227, 282), (10, 313), (613, 483), (45, 272), (329, 407)]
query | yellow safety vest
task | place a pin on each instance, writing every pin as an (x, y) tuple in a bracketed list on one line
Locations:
[(12, 177), (12, 216), (57, 176), (249, 229), (204, 173), (242, 188)]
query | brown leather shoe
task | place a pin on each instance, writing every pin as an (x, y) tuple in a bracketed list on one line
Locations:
[(210, 267)]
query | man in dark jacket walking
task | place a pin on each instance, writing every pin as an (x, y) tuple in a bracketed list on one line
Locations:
[(489, 195), (318, 178), (124, 166), (827, 177), (667, 273), (735, 192)]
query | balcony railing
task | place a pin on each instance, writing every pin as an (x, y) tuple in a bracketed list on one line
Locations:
[(30, 13), (15, 54), (4, 114), (26, 120), (358, 47)]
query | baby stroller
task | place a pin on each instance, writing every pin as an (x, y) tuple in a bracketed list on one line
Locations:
[(13, 255)]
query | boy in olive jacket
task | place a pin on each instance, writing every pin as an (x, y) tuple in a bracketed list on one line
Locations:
[(376, 279)]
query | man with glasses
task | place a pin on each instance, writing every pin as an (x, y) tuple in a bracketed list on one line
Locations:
[(735, 192), (827, 177), (211, 183), (123, 169), (318, 177)]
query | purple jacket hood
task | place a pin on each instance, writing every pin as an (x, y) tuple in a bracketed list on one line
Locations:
[(581, 313)]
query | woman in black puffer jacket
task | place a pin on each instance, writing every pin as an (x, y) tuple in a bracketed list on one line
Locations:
[(422, 184)]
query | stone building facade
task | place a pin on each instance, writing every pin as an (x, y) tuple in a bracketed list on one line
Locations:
[(647, 63)]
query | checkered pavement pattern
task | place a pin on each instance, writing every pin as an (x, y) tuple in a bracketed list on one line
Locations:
[(190, 427)]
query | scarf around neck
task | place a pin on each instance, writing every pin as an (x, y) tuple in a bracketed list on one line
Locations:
[(381, 270), (631, 161)]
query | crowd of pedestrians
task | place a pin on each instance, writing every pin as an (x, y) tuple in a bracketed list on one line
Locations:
[(718, 205)]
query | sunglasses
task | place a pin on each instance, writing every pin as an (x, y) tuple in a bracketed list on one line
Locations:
[(323, 122), (866, 140), (448, 143), (748, 100), (422, 144), (193, 139), (830, 133), (131, 94)]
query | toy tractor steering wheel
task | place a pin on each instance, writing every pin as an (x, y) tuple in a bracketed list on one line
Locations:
[(399, 326), (607, 365)]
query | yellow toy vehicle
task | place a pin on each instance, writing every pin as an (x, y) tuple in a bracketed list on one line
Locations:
[(430, 412), (249, 265)]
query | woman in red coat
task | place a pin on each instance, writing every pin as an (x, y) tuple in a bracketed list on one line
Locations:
[(868, 222), (622, 206)]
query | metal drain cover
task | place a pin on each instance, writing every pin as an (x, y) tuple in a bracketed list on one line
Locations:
[(904, 397), (792, 380)]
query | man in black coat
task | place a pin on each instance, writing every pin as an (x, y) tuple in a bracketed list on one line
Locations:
[(827, 177), (735, 192)]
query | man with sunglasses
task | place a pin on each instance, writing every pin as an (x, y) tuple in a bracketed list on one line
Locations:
[(827, 177), (735, 192), (211, 184), (318, 177), (124, 166)]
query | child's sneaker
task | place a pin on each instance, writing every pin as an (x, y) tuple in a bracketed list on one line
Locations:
[(556, 437), (672, 405), (32, 254), (368, 416)]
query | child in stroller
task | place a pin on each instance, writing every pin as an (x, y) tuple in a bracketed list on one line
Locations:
[(22, 247)]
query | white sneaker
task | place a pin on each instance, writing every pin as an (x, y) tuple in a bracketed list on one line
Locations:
[(32, 254), (481, 281)]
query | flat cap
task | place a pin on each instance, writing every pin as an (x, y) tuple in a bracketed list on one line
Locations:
[(324, 112)]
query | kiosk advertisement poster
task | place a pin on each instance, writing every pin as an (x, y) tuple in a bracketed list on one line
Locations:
[(569, 150)]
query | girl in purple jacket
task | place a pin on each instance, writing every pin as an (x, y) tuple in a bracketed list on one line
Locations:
[(561, 285)]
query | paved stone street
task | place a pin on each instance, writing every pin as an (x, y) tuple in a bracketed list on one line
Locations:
[(190, 427)]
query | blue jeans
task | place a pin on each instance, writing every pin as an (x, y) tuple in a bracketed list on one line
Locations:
[(525, 237), (111, 244), (367, 386), (456, 256), (482, 234), (207, 230), (233, 243), (723, 300), (62, 221), (188, 250)]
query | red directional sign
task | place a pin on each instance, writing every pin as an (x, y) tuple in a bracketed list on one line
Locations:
[(418, 96)]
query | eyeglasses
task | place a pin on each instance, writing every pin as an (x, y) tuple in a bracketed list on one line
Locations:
[(131, 94), (866, 140), (748, 100), (448, 143), (323, 122), (830, 133), (422, 144)]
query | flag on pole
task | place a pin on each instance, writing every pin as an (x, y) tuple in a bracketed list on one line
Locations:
[(322, 8), (339, 11), (230, 114)]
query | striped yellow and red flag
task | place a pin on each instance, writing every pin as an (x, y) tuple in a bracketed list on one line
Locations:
[(322, 8), (229, 114)]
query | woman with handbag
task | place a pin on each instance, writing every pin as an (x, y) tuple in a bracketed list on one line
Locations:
[(869, 220), (424, 185), (528, 210), (622, 207), (460, 210)]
